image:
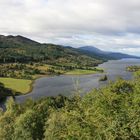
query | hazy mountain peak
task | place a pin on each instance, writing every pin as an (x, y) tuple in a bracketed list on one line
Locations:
[(18, 39), (91, 48)]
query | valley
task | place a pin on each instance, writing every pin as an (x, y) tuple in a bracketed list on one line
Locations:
[(64, 85), (69, 70)]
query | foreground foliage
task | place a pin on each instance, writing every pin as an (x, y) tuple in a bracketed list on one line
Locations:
[(110, 113)]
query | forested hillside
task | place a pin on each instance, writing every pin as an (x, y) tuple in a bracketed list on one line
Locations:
[(110, 113), (21, 49)]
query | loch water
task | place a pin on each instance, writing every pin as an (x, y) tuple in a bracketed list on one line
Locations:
[(69, 84)]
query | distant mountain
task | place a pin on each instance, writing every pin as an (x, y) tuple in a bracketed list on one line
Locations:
[(93, 51)]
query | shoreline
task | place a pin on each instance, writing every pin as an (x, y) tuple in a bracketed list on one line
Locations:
[(21, 98), (31, 85), (45, 76)]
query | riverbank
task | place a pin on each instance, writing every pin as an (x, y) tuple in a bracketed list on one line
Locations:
[(65, 84), (23, 86)]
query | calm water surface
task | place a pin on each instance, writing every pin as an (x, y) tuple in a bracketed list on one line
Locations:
[(69, 84)]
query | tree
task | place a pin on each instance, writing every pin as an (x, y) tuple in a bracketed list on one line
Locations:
[(27, 126)]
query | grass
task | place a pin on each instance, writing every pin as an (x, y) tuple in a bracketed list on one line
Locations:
[(17, 85), (80, 72)]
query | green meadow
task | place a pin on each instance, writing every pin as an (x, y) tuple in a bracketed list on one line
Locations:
[(17, 85), (82, 72)]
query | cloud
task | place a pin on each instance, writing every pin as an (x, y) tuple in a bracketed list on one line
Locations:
[(107, 24)]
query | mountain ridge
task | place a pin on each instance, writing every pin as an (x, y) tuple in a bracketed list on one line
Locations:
[(22, 49), (105, 54)]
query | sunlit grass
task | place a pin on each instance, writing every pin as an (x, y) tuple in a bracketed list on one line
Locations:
[(18, 85), (80, 72)]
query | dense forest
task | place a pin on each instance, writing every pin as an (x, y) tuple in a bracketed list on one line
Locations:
[(109, 113)]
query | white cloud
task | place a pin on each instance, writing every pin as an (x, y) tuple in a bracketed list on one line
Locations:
[(108, 24)]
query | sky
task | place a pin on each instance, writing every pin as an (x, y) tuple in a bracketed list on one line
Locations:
[(110, 25)]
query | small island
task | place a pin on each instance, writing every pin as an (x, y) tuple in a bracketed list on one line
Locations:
[(133, 68), (103, 78)]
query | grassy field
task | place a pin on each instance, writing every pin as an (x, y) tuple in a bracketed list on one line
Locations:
[(80, 72), (18, 85)]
